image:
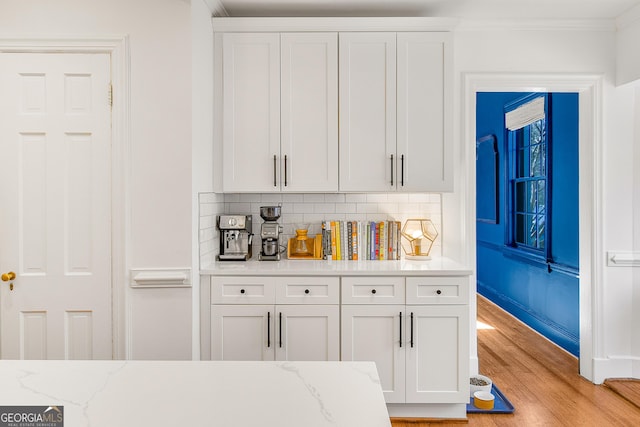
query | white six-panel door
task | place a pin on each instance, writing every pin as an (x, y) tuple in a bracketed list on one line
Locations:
[(55, 215)]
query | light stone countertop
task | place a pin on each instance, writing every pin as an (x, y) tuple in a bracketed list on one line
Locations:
[(287, 267), (199, 393)]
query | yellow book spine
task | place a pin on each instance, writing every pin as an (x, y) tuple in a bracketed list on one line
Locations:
[(338, 241), (334, 252)]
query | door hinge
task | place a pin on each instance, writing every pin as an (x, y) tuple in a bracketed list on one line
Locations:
[(110, 95)]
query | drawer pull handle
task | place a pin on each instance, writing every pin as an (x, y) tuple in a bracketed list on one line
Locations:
[(438, 292), (306, 291), (373, 291), (242, 291)]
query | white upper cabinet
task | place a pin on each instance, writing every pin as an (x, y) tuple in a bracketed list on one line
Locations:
[(280, 112), (309, 109), (251, 111), (424, 146), (334, 107), (367, 111), (394, 128)]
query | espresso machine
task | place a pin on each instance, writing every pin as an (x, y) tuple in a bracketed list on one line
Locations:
[(235, 237), (270, 233)]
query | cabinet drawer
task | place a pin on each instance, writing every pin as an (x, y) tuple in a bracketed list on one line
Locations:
[(308, 290), (373, 290), (243, 290), (438, 290)]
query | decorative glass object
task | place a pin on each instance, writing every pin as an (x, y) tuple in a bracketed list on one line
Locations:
[(301, 246), (419, 235)]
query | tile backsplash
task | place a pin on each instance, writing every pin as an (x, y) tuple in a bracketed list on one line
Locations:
[(313, 208)]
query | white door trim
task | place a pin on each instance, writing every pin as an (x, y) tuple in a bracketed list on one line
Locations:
[(118, 49), (590, 89)]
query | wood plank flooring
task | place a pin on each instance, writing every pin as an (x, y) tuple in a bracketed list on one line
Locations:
[(628, 388), (540, 379)]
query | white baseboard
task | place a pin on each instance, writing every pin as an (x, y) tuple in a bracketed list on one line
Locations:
[(615, 367)]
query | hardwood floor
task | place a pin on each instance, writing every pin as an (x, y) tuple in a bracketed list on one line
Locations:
[(540, 380)]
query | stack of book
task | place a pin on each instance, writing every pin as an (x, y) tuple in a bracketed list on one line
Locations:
[(361, 240)]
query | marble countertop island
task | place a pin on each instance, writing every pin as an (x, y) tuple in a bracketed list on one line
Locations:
[(199, 393)]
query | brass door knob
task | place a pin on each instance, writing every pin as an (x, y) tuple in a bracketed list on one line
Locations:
[(8, 276)]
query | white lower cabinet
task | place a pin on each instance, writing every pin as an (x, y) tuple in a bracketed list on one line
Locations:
[(420, 350), (372, 332), (416, 330), (436, 336), (275, 318)]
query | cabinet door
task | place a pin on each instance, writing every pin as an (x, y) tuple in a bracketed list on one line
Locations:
[(308, 332), (309, 108), (424, 141), (251, 111), (377, 333), (437, 354), (367, 111), (242, 332)]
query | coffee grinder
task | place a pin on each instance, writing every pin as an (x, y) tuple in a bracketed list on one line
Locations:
[(270, 233)]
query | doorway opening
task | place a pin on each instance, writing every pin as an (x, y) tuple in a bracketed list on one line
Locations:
[(589, 90), (527, 218)]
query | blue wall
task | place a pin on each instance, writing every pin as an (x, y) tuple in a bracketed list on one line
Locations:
[(544, 296)]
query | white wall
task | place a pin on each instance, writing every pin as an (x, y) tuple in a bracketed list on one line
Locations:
[(628, 58), (565, 49), (635, 351), (159, 180)]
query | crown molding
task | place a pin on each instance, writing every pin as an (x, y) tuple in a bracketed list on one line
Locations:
[(629, 18), (216, 7), (537, 25), (227, 24)]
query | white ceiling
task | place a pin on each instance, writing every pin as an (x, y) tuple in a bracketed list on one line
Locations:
[(480, 9)]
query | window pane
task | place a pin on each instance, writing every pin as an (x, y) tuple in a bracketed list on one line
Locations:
[(540, 220), (520, 196), (532, 235), (520, 229), (537, 132), (542, 196), (522, 164), (537, 168), (533, 196)]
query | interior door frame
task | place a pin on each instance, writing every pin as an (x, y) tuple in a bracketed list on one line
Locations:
[(118, 49), (590, 90)]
